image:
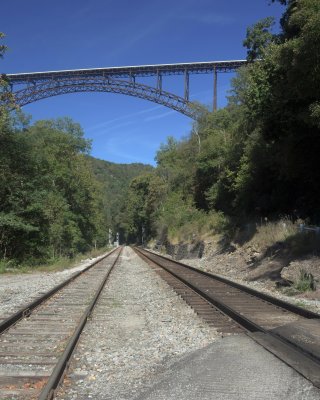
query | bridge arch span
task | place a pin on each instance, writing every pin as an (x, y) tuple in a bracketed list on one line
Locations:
[(33, 86), (56, 87)]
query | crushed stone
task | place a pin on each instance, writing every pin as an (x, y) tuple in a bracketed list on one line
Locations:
[(139, 327)]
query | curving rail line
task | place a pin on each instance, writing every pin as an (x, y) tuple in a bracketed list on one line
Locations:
[(290, 332), (34, 351)]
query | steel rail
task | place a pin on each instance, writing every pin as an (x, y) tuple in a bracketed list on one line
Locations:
[(27, 310), (263, 296), (246, 323), (297, 357), (47, 392)]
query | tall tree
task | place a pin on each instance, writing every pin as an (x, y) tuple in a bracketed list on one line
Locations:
[(259, 38)]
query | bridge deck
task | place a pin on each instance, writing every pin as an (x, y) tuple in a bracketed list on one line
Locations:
[(131, 71)]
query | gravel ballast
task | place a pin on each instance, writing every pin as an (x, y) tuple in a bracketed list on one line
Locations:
[(213, 266), (139, 327), (18, 290), (144, 342)]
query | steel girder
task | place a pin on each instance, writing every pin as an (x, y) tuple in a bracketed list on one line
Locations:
[(128, 72), (57, 87), (39, 85)]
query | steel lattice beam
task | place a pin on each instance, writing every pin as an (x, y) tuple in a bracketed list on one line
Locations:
[(72, 85), (34, 86), (129, 72)]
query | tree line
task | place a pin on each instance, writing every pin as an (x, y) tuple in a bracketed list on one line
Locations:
[(55, 200), (258, 156), (49, 197)]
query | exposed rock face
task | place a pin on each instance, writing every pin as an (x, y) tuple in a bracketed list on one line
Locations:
[(185, 250), (273, 269)]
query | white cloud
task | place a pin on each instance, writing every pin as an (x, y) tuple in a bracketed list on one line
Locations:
[(159, 116), (123, 117)]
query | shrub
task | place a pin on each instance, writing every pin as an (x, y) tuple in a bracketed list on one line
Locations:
[(306, 282)]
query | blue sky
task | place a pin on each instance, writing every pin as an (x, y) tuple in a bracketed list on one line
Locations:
[(45, 35)]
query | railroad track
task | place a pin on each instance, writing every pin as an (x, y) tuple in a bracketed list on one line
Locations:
[(37, 342), (290, 332)]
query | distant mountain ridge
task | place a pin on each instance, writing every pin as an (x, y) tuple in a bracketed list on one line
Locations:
[(115, 179)]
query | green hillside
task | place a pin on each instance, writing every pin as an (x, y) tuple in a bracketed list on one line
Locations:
[(115, 179), (257, 159)]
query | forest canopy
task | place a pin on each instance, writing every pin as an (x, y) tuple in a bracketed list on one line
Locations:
[(256, 158), (259, 156)]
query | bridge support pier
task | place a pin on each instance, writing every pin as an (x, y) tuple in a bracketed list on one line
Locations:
[(186, 85), (133, 79), (159, 82), (215, 89), (121, 80)]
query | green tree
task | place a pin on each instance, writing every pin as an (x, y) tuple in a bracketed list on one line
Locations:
[(3, 48), (259, 38), (49, 198), (145, 197), (6, 97), (171, 164)]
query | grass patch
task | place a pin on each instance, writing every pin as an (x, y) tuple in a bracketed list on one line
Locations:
[(3, 266), (270, 237), (7, 265), (305, 283), (54, 265), (268, 234)]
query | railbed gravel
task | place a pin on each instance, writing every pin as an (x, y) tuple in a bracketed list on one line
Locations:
[(138, 329), (208, 265), (236, 274), (18, 290)]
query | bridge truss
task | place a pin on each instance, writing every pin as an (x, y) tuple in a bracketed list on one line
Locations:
[(34, 86)]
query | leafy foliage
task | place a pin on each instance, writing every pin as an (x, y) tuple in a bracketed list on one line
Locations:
[(256, 158), (3, 48), (259, 156), (259, 38), (48, 192), (144, 200), (306, 282), (114, 180)]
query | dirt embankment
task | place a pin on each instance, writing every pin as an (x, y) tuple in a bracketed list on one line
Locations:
[(275, 267)]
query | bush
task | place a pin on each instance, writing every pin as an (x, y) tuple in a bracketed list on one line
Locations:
[(182, 221), (306, 282)]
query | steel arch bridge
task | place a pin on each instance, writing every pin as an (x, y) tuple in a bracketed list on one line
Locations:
[(30, 87)]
